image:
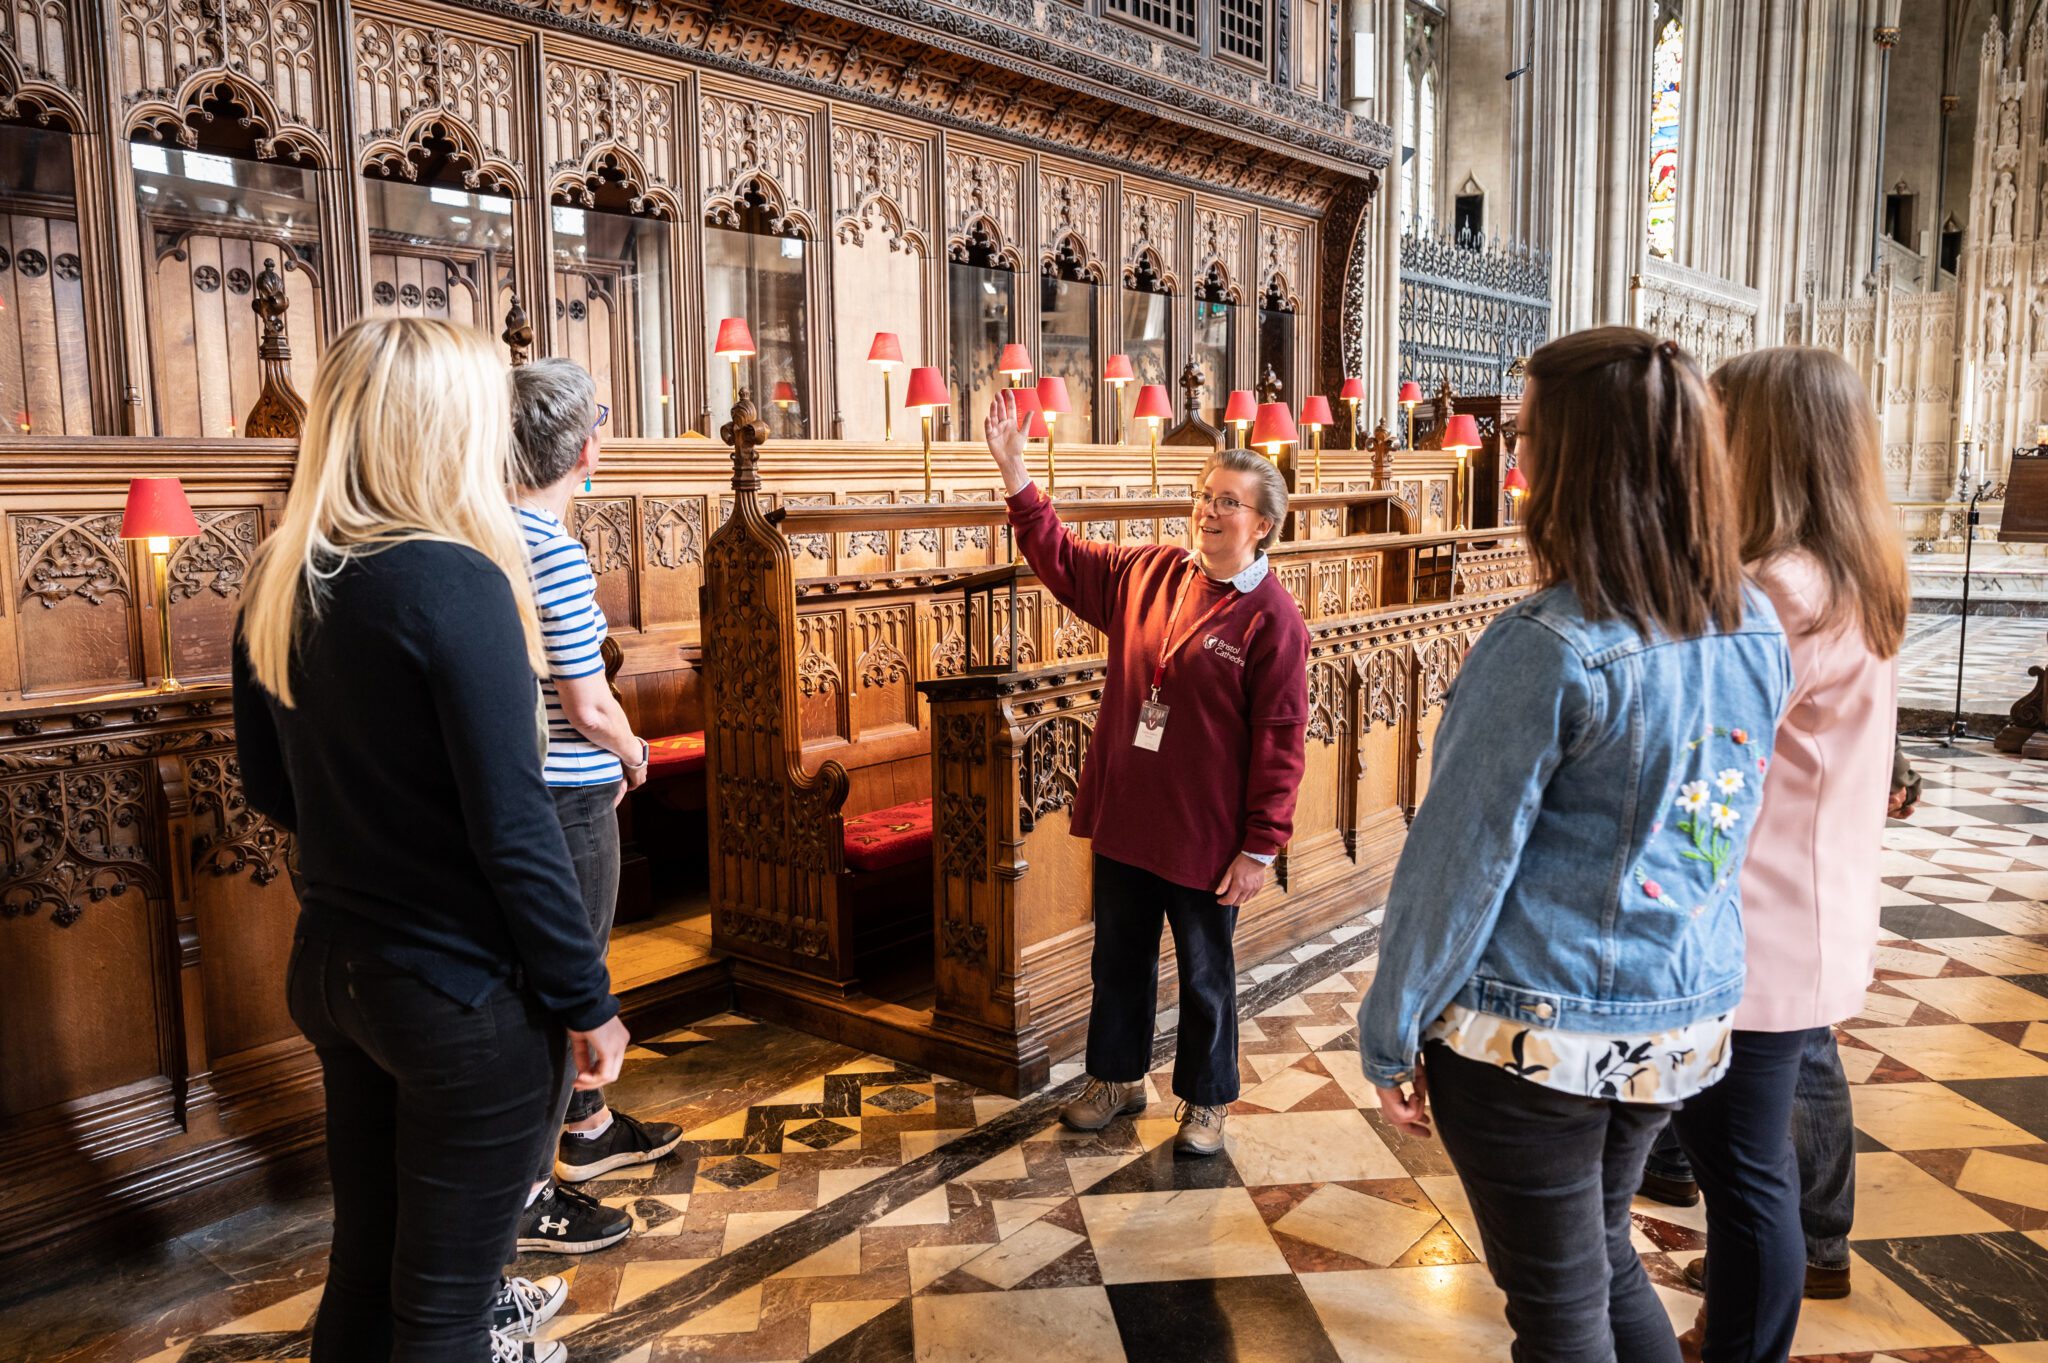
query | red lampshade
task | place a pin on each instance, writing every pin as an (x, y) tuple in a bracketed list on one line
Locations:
[(886, 350), (1315, 411), (1411, 391), (1015, 359), (1243, 405), (1515, 482), (1052, 395), (1118, 367), (1027, 404), (1274, 426), (1352, 391), (734, 340), (1036, 429), (927, 389), (785, 391), (1153, 404), (1461, 433), (157, 509)]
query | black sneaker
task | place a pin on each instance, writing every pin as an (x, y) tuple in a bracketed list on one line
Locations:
[(523, 1305), (506, 1349), (626, 1141), (564, 1221)]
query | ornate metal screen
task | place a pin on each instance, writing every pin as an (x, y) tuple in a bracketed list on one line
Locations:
[(1469, 310)]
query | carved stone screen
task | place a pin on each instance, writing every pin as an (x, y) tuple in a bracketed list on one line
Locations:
[(438, 251), (615, 315), (761, 278), (45, 379), (983, 303), (208, 224)]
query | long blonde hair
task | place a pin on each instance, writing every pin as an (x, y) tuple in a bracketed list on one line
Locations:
[(1805, 446), (408, 436)]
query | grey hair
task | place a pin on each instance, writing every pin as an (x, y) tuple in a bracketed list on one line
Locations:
[(554, 408), (1271, 498)]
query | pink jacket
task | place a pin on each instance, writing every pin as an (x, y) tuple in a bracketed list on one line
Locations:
[(1810, 886)]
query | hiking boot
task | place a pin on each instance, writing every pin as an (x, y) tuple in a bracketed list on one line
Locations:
[(523, 1305), (1101, 1103), (627, 1141), (1201, 1130), (564, 1221)]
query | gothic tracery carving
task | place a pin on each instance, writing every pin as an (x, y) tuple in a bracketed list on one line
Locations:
[(745, 145), (59, 558), (423, 92), (217, 558), (71, 839), (674, 530)]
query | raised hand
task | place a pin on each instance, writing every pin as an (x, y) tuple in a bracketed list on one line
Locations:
[(1006, 439)]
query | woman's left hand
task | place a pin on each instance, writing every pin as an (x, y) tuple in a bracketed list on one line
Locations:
[(1408, 1113), (1244, 879)]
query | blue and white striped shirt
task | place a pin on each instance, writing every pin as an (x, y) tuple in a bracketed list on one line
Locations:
[(572, 633)]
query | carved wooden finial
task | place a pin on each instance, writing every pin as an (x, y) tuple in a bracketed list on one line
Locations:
[(1446, 403), (1191, 386), (518, 333), (279, 412), (1269, 386), (1382, 456), (745, 433)]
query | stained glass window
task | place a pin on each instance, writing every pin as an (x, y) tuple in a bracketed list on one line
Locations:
[(1665, 65)]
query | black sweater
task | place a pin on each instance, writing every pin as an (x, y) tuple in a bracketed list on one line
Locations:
[(410, 772)]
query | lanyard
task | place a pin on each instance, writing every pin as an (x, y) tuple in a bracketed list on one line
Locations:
[(1172, 645)]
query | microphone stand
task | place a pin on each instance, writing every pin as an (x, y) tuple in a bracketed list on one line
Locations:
[(1956, 728)]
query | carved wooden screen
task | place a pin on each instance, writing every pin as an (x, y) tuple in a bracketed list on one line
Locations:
[(209, 222), (45, 377)]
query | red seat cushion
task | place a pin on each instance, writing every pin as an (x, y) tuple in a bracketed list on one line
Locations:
[(889, 837), (675, 755)]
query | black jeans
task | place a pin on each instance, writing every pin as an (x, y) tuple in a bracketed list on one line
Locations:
[(1550, 1176), (1738, 1135), (434, 1115), (1130, 907), (590, 821), (1823, 1139)]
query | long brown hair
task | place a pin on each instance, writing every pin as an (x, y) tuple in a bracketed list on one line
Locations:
[(1804, 445), (1630, 496)]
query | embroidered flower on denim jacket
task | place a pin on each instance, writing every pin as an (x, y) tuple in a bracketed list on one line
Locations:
[(1707, 823), (1729, 781), (1692, 798)]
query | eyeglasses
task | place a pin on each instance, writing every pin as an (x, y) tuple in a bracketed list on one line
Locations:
[(604, 414), (1222, 503)]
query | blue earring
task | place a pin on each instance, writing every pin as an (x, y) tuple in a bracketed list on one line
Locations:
[(586, 482)]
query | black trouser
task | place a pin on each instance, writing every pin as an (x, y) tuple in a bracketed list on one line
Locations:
[(590, 822), (434, 1115), (1550, 1176), (1130, 906), (1738, 1136)]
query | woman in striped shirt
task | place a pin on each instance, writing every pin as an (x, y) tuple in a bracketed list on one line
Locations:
[(593, 759)]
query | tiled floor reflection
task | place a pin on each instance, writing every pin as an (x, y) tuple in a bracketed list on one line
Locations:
[(841, 1207)]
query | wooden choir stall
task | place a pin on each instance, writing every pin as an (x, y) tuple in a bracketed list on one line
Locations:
[(864, 773)]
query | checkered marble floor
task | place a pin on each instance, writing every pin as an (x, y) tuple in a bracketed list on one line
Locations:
[(2000, 650), (842, 1207)]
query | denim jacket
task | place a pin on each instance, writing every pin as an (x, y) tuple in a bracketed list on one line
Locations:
[(1574, 865)]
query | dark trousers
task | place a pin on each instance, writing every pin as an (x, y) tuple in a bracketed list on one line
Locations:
[(1738, 1136), (1824, 1142), (590, 821), (1550, 1176), (434, 1115), (1130, 907)]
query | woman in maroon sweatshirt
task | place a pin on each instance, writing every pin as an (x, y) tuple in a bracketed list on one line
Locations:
[(1188, 790)]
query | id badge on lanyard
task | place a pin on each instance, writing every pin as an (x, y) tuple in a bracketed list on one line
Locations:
[(1152, 713)]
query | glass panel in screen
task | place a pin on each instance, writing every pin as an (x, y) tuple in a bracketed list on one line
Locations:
[(1145, 339), (439, 252), (983, 304), (45, 374), (209, 222), (878, 284), (1276, 349), (614, 314), (1067, 348), (1215, 356), (760, 278)]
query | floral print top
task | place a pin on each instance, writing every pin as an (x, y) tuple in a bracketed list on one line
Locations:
[(1648, 1067)]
